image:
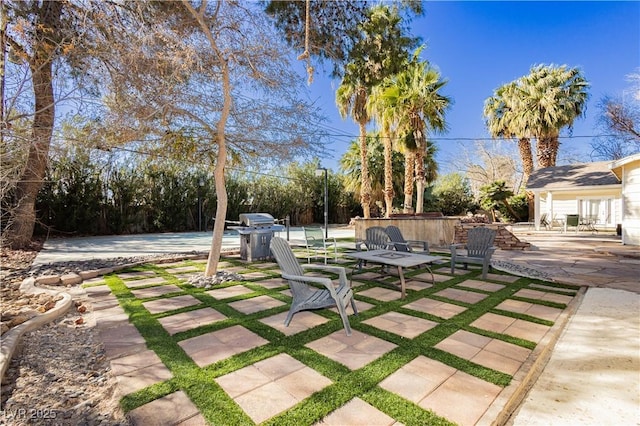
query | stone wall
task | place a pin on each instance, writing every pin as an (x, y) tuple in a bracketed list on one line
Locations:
[(504, 238)]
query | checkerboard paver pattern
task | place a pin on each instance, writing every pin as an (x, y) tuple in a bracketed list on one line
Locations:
[(278, 382), (357, 412), (229, 292), (171, 303), (436, 307), (491, 353)]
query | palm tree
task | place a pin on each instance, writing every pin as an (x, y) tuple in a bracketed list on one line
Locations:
[(551, 98), (500, 111), (380, 51), (385, 114), (351, 167), (351, 99), (412, 101)]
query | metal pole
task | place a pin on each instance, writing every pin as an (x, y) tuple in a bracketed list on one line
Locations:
[(326, 204), (199, 212)]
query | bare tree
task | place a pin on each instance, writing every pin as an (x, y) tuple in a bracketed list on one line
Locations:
[(207, 83), (619, 121), (487, 164)]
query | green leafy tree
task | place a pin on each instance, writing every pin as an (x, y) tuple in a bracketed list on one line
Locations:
[(330, 29), (495, 194), (503, 121), (452, 194)]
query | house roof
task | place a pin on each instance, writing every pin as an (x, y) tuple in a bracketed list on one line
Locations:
[(573, 176), (616, 166)]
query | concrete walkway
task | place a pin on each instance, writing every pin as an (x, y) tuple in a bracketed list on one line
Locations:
[(593, 373)]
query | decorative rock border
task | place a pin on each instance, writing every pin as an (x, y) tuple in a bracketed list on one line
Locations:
[(11, 338)]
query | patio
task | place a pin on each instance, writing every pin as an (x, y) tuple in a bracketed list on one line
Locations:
[(223, 355)]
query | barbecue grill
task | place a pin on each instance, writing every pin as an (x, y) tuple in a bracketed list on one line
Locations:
[(256, 231)]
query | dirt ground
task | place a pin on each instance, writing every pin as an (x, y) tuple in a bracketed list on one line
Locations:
[(58, 375)]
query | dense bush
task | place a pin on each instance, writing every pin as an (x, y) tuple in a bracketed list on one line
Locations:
[(80, 197)]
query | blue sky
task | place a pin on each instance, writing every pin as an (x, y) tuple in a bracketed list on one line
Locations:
[(478, 46)]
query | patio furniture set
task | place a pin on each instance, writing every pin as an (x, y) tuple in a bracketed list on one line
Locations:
[(383, 246), (578, 222)]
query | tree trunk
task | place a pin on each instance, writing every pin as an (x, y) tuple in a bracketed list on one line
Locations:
[(388, 173), (20, 230), (409, 171), (524, 146), (513, 212), (365, 186), (547, 151), (420, 179), (221, 159)]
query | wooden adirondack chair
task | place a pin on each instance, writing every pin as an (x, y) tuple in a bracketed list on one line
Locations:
[(478, 250), (307, 297)]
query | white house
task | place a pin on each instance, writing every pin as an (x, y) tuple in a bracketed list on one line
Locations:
[(628, 171), (590, 190)]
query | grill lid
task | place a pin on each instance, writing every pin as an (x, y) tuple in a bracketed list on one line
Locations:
[(256, 219)]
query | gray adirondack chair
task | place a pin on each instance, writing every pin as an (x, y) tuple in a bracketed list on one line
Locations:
[(401, 244), (376, 238), (318, 246), (478, 250), (307, 297)]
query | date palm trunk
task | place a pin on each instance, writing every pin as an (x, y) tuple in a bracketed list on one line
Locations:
[(547, 151), (409, 171), (388, 171), (524, 146), (365, 186)]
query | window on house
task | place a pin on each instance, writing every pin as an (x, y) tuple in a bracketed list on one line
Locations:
[(598, 209)]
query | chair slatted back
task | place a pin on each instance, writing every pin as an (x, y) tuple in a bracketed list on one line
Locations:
[(479, 241), (284, 256), (377, 238), (396, 236)]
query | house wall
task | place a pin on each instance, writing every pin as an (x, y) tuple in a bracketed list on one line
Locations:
[(560, 203), (631, 203)]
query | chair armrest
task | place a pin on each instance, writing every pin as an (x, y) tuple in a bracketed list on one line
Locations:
[(317, 280), (340, 270), (330, 241), (360, 244), (396, 244), (419, 243)]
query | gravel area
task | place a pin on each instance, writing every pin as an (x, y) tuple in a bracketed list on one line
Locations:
[(59, 374)]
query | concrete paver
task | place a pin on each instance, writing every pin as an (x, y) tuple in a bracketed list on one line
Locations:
[(218, 345), (357, 413), (401, 324), (353, 351), (271, 386)]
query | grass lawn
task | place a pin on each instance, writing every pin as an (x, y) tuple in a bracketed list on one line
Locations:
[(458, 306)]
